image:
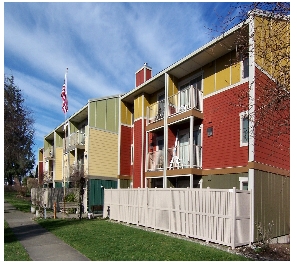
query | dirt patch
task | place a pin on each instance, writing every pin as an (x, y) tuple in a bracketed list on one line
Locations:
[(275, 252)]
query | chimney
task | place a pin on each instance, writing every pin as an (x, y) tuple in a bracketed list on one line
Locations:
[(142, 75)]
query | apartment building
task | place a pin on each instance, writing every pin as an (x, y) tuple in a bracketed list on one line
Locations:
[(85, 145), (190, 126)]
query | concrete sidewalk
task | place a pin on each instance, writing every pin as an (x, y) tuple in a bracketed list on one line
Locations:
[(39, 243)]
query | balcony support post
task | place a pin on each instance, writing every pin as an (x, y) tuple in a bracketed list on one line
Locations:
[(165, 132), (191, 140)]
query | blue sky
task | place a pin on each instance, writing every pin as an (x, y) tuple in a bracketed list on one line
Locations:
[(102, 44)]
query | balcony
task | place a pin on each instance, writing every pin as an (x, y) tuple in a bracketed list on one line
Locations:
[(177, 158), (76, 140), (187, 99), (184, 101), (49, 153)]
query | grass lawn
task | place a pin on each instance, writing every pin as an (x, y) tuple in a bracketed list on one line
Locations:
[(13, 250), (19, 203), (103, 240)]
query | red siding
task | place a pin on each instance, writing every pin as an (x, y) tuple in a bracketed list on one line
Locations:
[(40, 173), (125, 150), (138, 153), (272, 147), (222, 113)]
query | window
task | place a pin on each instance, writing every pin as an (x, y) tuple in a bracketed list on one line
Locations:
[(210, 131), (132, 154), (190, 98), (244, 183), (244, 128), (245, 65)]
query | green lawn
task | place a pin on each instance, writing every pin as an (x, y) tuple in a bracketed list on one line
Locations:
[(13, 250), (18, 203), (103, 240)]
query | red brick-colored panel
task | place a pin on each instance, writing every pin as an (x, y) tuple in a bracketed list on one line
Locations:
[(221, 112), (125, 150)]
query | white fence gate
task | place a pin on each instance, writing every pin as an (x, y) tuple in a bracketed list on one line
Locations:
[(215, 215)]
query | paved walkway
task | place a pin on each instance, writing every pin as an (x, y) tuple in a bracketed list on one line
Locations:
[(39, 243)]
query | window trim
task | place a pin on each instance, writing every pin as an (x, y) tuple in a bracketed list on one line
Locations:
[(242, 180), (243, 115)]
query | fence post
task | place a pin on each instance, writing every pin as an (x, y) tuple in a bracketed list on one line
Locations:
[(155, 213), (138, 204), (233, 219), (146, 207), (207, 214)]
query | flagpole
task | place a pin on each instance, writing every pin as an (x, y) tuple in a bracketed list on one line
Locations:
[(65, 110)]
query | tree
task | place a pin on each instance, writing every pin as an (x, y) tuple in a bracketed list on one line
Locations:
[(19, 133)]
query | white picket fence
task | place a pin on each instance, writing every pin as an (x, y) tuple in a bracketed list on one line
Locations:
[(215, 215)]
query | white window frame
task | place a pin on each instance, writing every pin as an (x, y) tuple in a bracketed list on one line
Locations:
[(243, 180), (242, 115), (132, 154)]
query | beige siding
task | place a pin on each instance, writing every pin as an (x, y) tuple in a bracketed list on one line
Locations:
[(102, 153), (58, 164)]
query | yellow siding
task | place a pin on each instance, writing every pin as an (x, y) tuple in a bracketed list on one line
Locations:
[(40, 155), (272, 44), (126, 115), (138, 107), (58, 164), (172, 86), (235, 69), (223, 72), (103, 154), (209, 78)]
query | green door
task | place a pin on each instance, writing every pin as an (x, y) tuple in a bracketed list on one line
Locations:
[(96, 191)]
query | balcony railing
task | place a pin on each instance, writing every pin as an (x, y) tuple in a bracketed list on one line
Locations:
[(189, 98), (49, 153), (177, 158), (155, 160), (77, 169), (75, 140), (155, 112), (184, 100)]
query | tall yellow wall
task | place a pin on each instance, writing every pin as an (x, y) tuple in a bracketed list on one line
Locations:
[(58, 164), (272, 44), (102, 153), (138, 107), (126, 114)]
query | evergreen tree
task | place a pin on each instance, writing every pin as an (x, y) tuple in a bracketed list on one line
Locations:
[(19, 133)]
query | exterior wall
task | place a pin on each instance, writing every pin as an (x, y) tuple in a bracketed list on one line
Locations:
[(272, 43), (221, 73), (223, 148), (272, 202), (138, 153), (126, 114), (104, 114), (223, 181), (58, 164), (102, 153), (125, 154), (271, 148)]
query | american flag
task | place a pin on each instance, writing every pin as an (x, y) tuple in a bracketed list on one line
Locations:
[(64, 96)]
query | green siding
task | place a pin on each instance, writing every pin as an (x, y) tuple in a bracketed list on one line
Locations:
[(59, 140), (96, 192), (100, 114), (226, 181), (104, 114), (58, 184), (112, 115), (272, 202), (92, 114)]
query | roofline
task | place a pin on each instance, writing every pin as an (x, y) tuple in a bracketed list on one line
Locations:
[(199, 50)]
